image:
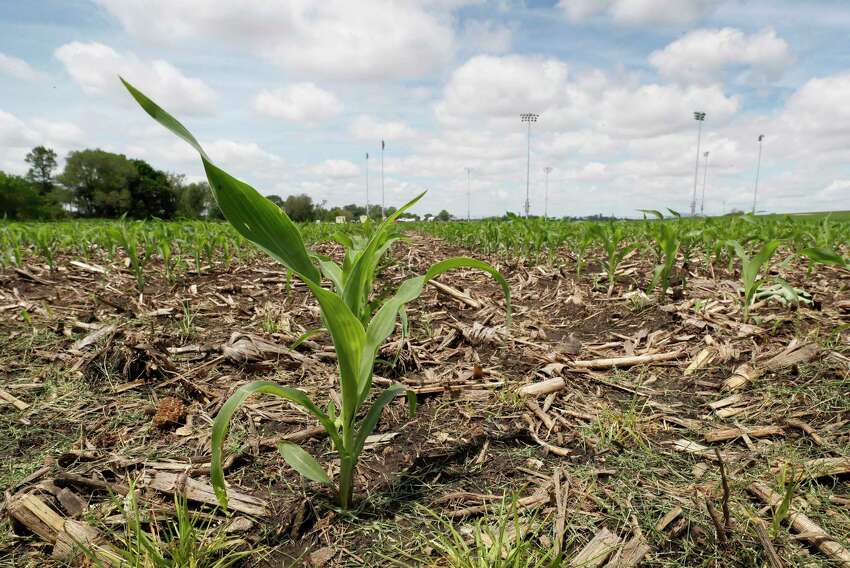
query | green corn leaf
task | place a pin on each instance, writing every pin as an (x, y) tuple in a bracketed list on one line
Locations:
[(359, 279), (383, 323), (222, 423), (302, 462), (824, 256), (374, 414), (307, 335), (654, 212), (255, 217), (349, 338)]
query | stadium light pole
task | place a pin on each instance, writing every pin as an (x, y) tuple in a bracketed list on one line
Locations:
[(758, 169), (468, 194), (699, 117), (704, 177), (548, 170), (528, 117), (383, 203), (367, 185)]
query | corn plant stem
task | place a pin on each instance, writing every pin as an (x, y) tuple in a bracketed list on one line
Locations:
[(347, 464)]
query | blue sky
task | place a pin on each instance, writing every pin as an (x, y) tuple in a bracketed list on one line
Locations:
[(289, 96)]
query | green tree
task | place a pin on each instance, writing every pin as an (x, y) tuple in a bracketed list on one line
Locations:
[(300, 208), (443, 216), (99, 182), (19, 198), (276, 199), (42, 163), (194, 200), (151, 193)]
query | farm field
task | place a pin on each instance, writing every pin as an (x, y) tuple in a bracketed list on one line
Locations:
[(669, 392)]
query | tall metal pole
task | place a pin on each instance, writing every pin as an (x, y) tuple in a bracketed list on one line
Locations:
[(528, 117), (548, 170), (383, 203), (468, 193), (367, 185), (758, 169), (699, 117), (704, 176)]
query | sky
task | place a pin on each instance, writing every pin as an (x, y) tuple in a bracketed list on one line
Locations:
[(290, 96)]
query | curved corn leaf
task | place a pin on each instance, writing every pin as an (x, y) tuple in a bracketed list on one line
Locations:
[(383, 322), (824, 256), (374, 414), (255, 217), (222, 424), (302, 462), (306, 335)]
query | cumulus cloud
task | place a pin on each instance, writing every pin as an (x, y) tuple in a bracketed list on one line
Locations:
[(19, 69), (495, 89), (302, 102), (701, 56), (18, 136), (486, 36), (368, 39), (502, 86), (95, 66), (368, 128), (639, 12), (336, 169)]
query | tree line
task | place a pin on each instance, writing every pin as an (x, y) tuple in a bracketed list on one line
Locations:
[(97, 183)]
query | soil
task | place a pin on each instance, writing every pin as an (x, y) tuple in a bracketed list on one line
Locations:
[(116, 383)]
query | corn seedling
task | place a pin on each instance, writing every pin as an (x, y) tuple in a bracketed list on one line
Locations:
[(357, 328), (668, 242), (751, 268), (611, 235)]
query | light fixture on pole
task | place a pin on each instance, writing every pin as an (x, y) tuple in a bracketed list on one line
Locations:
[(548, 170), (758, 169), (528, 117), (383, 204), (468, 193), (704, 176), (699, 117), (367, 185)]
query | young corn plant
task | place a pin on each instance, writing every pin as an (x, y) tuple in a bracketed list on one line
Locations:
[(751, 268), (611, 235), (667, 241), (357, 328)]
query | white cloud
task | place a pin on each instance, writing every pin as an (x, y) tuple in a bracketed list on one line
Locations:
[(95, 67), (301, 102), (502, 87), (485, 36), (701, 56), (820, 107), (239, 155), (18, 136), (638, 12), (368, 39), (337, 169), (836, 190), (14, 132), (652, 110), (496, 89), (19, 69), (367, 128)]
